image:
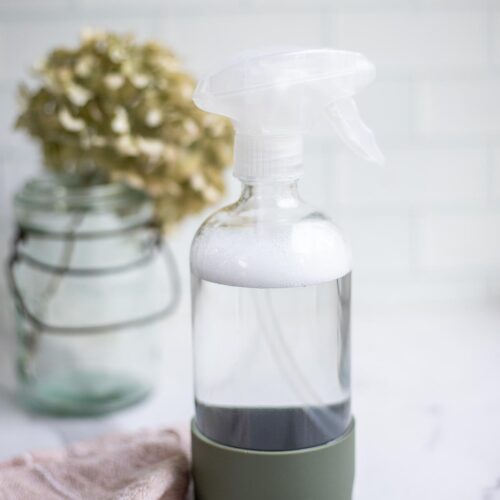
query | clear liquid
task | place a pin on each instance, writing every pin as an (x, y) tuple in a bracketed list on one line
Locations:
[(272, 366)]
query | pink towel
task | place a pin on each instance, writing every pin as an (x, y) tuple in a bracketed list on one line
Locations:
[(147, 465)]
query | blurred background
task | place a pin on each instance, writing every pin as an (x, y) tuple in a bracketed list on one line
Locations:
[(425, 228)]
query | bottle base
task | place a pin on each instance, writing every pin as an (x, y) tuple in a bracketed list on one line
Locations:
[(321, 473)]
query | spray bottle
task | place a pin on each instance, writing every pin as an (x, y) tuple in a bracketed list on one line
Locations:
[(271, 288)]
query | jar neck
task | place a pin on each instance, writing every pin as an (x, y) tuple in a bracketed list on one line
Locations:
[(54, 204)]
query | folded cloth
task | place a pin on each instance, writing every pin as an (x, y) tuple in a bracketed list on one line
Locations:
[(148, 465)]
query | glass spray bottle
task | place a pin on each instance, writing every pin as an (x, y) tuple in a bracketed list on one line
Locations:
[(271, 289)]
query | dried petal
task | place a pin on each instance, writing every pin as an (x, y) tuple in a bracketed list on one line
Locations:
[(198, 182), (127, 146), (150, 147), (116, 55), (153, 117), (78, 95), (89, 34), (114, 81), (191, 129), (69, 122), (139, 80), (211, 194), (120, 123), (84, 65)]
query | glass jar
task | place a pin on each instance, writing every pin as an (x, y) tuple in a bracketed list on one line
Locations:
[(92, 283)]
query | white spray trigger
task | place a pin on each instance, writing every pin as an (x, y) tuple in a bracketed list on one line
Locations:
[(276, 96), (351, 129)]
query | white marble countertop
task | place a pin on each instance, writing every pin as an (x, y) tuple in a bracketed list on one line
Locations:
[(426, 389)]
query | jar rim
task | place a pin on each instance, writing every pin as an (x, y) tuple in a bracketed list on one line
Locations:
[(62, 192)]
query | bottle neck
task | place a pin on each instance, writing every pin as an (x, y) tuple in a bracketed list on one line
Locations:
[(267, 157), (280, 193)]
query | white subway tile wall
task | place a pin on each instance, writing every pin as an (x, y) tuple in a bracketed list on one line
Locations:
[(466, 109), (416, 41), (424, 227), (458, 241)]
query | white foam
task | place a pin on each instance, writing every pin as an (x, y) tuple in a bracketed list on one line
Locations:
[(307, 253)]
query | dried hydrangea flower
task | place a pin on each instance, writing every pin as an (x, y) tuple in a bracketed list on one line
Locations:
[(124, 109)]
